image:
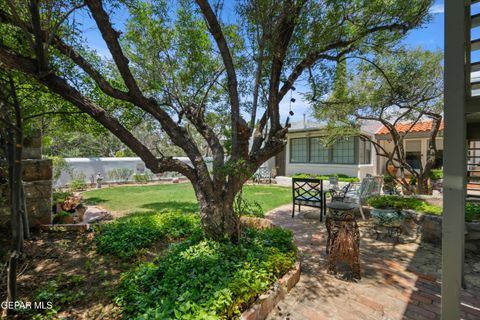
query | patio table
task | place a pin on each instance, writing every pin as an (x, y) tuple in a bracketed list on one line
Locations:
[(343, 242)]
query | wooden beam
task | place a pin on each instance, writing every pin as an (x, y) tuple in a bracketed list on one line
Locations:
[(457, 17), (475, 20)]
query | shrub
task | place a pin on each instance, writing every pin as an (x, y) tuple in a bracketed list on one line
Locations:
[(77, 185), (436, 174), (205, 279), (126, 236), (399, 202), (119, 175), (472, 211), (341, 177), (77, 181)]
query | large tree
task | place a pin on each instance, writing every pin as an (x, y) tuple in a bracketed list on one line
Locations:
[(391, 88), (180, 62)]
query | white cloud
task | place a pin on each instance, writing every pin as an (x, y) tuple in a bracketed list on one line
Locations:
[(437, 8)]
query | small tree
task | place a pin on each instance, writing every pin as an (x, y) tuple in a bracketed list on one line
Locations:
[(402, 87), (179, 63), (11, 141)]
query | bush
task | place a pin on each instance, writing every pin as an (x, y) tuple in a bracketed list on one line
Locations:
[(436, 174), (341, 177), (126, 236), (77, 185), (472, 211), (399, 202), (205, 279), (119, 175)]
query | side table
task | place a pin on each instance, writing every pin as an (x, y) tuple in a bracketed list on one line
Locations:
[(343, 242)]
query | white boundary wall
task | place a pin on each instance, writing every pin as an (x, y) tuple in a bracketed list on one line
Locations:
[(89, 167)]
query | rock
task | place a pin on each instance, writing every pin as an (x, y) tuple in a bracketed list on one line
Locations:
[(476, 267), (473, 236), (470, 246)]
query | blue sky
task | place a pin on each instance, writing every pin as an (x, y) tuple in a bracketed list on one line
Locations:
[(428, 37)]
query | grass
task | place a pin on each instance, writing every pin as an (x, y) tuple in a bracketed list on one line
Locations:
[(176, 197)]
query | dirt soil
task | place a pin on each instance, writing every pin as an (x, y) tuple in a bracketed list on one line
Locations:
[(64, 268)]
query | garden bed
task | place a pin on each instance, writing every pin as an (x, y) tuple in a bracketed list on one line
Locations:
[(152, 263)]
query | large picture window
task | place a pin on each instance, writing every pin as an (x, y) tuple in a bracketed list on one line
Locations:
[(350, 150), (343, 151), (298, 150), (318, 152)]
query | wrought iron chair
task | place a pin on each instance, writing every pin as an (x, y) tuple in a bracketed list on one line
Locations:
[(263, 173), (308, 192), (359, 192), (339, 194)]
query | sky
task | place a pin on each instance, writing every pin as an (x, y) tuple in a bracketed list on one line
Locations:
[(428, 37)]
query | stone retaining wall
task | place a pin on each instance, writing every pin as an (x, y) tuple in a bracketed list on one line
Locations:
[(37, 177), (428, 228)]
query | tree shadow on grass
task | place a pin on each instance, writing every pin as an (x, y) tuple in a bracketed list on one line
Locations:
[(184, 207), (94, 201)]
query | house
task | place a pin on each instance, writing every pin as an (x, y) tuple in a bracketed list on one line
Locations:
[(415, 144), (305, 152)]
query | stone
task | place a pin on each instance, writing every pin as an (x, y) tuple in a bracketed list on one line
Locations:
[(470, 246), (34, 170), (473, 236), (476, 267)]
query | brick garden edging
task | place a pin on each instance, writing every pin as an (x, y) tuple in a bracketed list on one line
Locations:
[(267, 301)]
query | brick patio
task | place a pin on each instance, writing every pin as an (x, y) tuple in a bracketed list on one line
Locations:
[(399, 281)]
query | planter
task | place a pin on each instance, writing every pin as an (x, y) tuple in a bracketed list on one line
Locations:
[(387, 217)]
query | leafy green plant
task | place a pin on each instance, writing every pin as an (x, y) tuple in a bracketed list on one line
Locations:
[(341, 177), (60, 196), (205, 279), (77, 182), (436, 174), (144, 177), (61, 216), (126, 236), (60, 165), (472, 211), (399, 202), (245, 207), (119, 175)]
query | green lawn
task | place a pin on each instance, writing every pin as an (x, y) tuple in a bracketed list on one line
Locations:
[(176, 197)]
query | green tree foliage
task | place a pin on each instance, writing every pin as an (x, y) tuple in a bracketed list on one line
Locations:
[(178, 63), (401, 86)]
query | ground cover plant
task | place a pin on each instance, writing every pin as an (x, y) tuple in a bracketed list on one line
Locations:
[(206, 279), (127, 236), (341, 177), (399, 202), (176, 197)]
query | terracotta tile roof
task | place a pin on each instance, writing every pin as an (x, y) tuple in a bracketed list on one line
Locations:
[(424, 126)]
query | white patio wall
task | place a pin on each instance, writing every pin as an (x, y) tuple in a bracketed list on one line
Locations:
[(91, 166)]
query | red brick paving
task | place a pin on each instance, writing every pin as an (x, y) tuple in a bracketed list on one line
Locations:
[(399, 281)]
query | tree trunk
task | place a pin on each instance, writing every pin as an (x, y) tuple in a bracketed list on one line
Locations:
[(217, 216)]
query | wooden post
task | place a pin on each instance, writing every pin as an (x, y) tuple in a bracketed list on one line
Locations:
[(455, 154)]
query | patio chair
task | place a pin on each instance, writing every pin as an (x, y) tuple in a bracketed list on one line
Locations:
[(308, 192), (359, 192), (262, 173), (339, 194)]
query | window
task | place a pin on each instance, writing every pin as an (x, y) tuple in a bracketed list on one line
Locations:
[(413, 154), (343, 151), (318, 152), (312, 150), (364, 151), (298, 150)]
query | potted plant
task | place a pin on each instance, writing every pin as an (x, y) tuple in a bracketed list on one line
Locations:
[(386, 211)]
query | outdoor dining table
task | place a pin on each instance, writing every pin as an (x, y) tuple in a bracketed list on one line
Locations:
[(343, 242)]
